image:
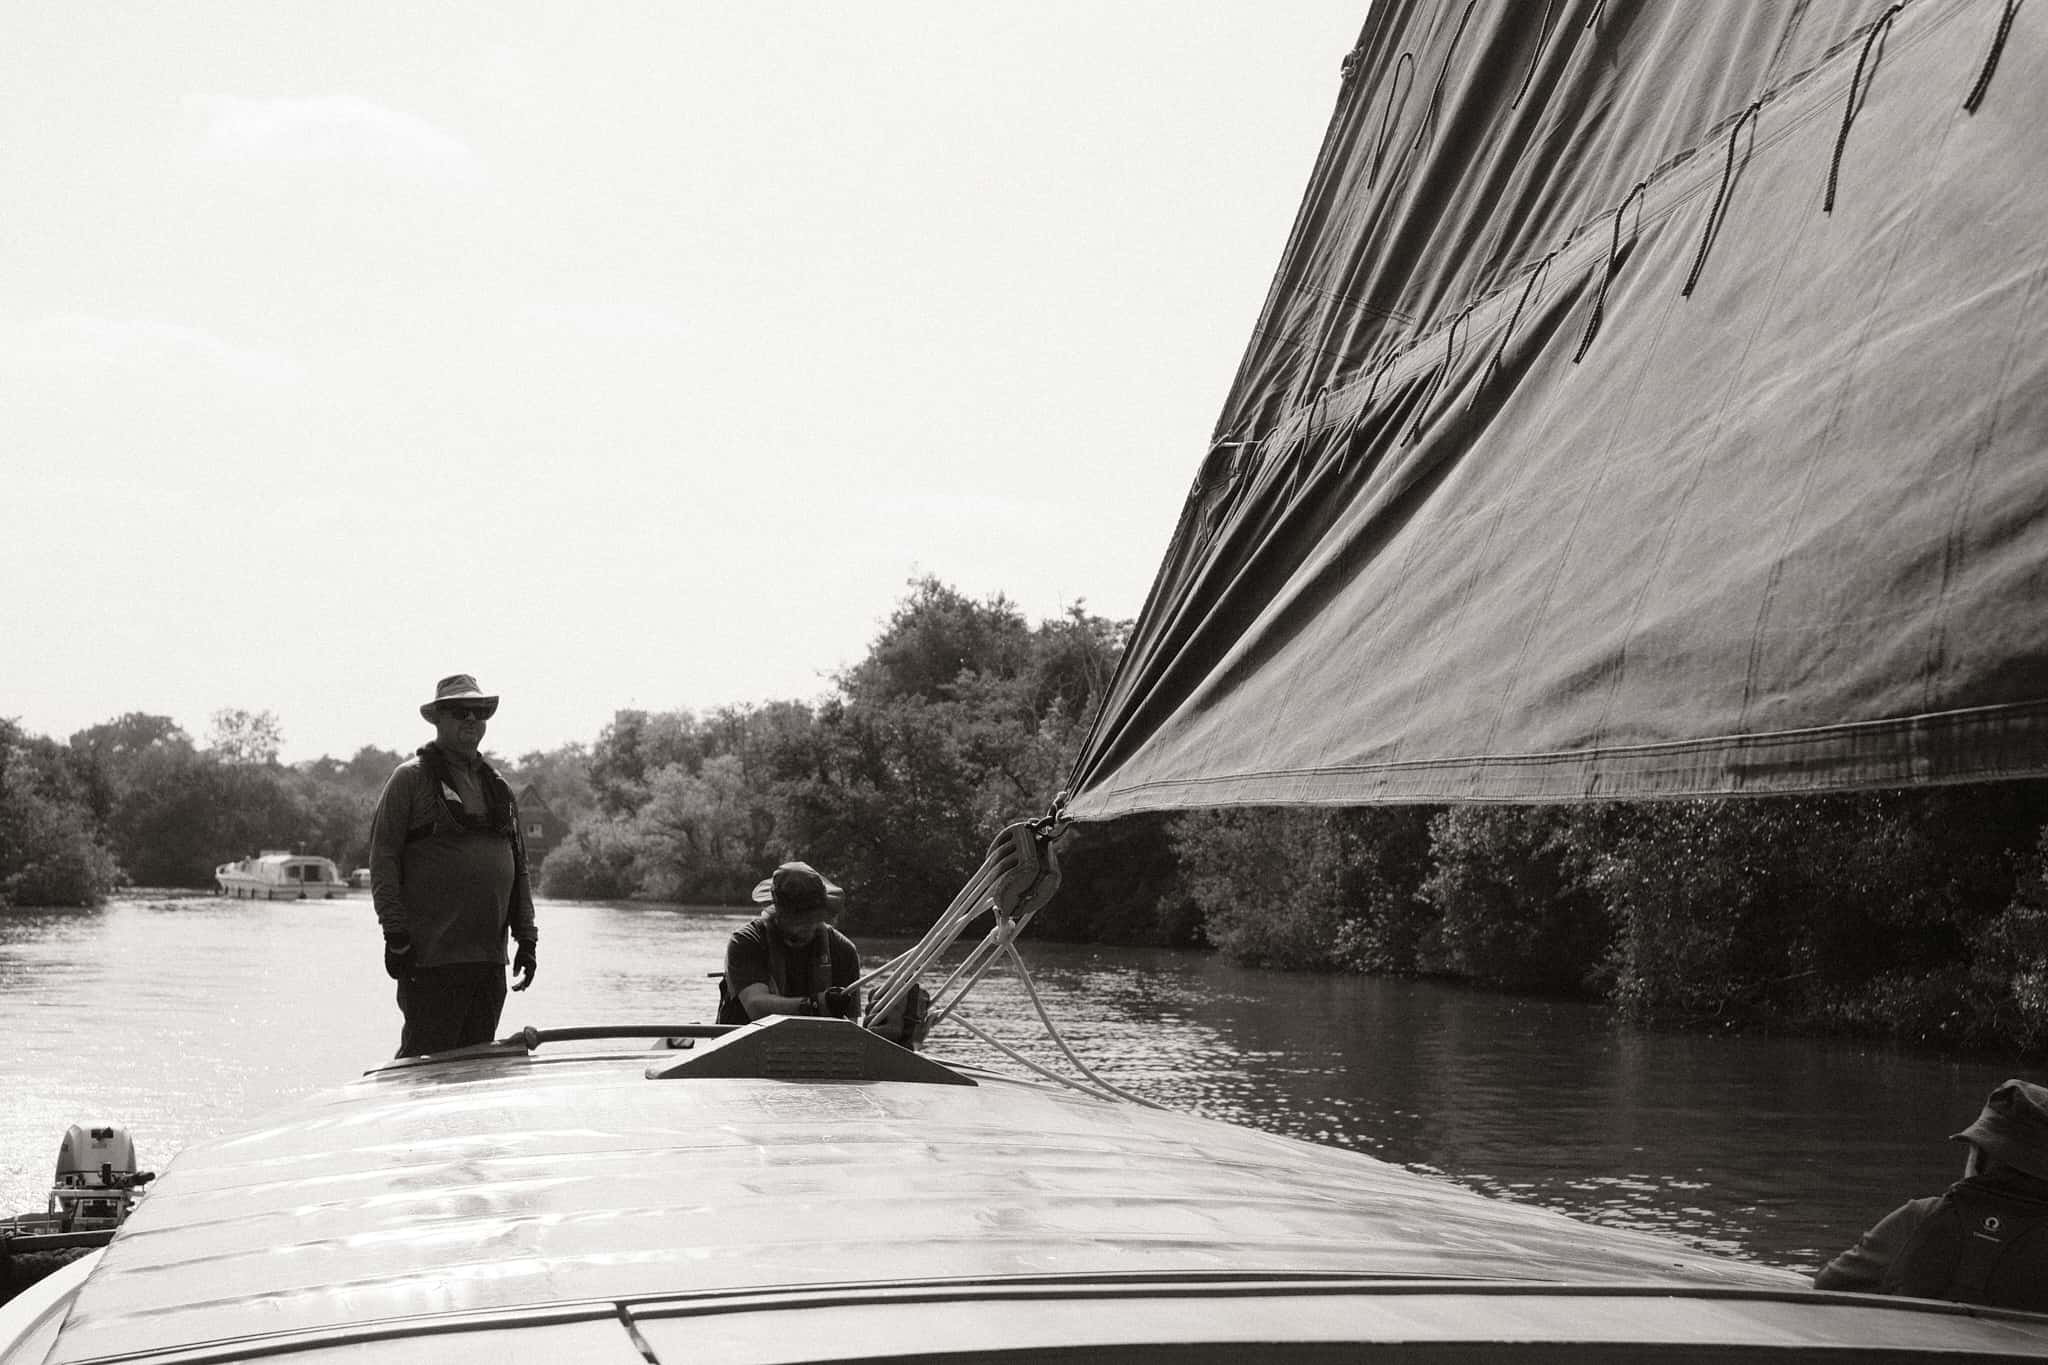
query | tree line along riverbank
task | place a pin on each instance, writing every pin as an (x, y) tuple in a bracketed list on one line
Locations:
[(1919, 917)]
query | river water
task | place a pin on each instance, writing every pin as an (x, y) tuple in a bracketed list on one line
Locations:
[(180, 1016)]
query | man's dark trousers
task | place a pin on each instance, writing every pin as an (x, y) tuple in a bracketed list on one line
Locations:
[(451, 1006)]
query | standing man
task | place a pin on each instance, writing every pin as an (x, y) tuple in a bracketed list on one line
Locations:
[(448, 876), (1983, 1241), (791, 960)]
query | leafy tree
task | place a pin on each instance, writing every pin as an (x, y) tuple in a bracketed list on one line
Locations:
[(598, 861), (245, 737), (106, 755), (562, 774), (369, 768), (1514, 905), (635, 745), (935, 635), (51, 852), (186, 813), (695, 836), (1316, 890)]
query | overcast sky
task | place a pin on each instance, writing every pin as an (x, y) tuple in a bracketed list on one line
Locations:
[(620, 354)]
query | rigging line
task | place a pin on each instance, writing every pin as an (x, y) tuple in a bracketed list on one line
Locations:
[(1308, 436), (1030, 989), (1516, 317), (1877, 30), (1436, 93), (1600, 299), (1442, 375), (974, 966), (967, 905), (1722, 199), (1594, 17), (1529, 76), (1976, 95), (1350, 438), (1384, 365), (1387, 115), (1023, 1061)]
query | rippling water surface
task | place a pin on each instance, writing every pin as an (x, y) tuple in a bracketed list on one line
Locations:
[(180, 1017)]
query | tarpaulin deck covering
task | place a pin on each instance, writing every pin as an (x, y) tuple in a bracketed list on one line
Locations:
[(1652, 400)]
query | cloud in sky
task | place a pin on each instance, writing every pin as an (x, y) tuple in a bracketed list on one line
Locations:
[(316, 130), (84, 346)]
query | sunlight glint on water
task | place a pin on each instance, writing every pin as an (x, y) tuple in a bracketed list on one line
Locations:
[(181, 1017)]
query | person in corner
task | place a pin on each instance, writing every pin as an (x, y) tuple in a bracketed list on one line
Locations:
[(1983, 1241), (448, 879), (790, 960)]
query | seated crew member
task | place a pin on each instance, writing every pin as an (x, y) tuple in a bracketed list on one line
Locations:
[(791, 960), (1986, 1239)]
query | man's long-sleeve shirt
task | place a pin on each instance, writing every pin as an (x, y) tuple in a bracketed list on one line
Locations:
[(455, 890)]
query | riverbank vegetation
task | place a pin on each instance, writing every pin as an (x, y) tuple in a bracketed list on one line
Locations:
[(1914, 916)]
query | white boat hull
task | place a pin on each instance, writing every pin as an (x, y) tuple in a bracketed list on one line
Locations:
[(509, 1204)]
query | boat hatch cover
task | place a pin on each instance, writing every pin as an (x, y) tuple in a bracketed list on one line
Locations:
[(790, 1048)]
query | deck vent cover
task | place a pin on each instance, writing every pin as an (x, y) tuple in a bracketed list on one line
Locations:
[(785, 1047)]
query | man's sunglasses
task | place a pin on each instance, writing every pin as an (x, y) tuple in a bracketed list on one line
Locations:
[(467, 712)]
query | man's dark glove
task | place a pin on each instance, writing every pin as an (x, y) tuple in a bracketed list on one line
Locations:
[(525, 963), (398, 955), (839, 1002)]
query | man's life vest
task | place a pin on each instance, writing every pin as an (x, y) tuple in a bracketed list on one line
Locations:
[(781, 979), (1979, 1244), (497, 817)]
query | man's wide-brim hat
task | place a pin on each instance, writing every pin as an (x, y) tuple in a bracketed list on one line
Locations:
[(799, 889), (459, 687), (2013, 1128)]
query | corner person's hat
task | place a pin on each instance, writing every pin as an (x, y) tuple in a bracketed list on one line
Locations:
[(458, 687), (799, 889), (2013, 1128)]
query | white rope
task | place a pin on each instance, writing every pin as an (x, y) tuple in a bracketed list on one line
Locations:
[(1024, 975), (974, 899), (1012, 884), (1026, 1062)]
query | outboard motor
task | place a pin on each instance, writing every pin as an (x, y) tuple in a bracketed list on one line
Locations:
[(96, 1177)]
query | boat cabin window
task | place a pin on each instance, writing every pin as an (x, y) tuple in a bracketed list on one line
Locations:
[(295, 872)]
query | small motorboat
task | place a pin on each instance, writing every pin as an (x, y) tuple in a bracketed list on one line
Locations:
[(275, 875), (96, 1186)]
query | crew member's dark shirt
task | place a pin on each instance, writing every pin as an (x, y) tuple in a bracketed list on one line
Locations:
[(755, 956), (456, 891)]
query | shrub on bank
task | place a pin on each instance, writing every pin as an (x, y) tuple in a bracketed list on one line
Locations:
[(1508, 884), (1920, 917), (1313, 890), (50, 848), (596, 862)]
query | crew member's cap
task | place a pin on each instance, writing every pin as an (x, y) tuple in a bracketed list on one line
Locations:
[(459, 687), (799, 889), (2013, 1128)]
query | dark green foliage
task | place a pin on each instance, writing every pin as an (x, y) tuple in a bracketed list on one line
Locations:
[(1314, 889), (1916, 916), (1891, 914), (1120, 883), (51, 852), (596, 862), (1515, 911), (963, 717)]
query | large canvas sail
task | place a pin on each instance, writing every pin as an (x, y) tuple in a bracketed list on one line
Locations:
[(1652, 400)]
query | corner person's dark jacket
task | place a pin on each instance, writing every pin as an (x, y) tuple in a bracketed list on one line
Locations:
[(453, 880), (1984, 1241)]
